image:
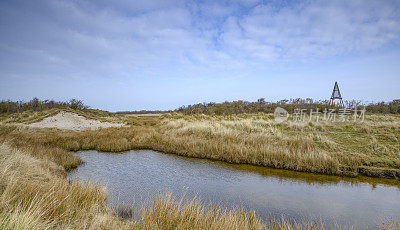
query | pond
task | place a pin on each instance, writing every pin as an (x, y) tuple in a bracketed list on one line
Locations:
[(138, 175)]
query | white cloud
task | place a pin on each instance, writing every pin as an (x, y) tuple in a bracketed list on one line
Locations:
[(313, 29), (131, 38)]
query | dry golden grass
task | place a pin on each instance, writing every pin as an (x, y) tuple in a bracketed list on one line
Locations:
[(172, 213), (34, 195), (181, 214), (389, 225), (339, 148)]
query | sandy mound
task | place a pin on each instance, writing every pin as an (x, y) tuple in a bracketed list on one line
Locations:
[(72, 121)]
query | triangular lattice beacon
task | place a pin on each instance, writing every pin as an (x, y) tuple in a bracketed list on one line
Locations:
[(336, 96)]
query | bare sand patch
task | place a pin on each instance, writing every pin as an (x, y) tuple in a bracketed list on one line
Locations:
[(72, 121)]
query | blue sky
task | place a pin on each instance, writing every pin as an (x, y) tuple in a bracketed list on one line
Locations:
[(132, 55)]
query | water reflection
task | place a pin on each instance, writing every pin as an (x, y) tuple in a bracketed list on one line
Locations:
[(137, 175)]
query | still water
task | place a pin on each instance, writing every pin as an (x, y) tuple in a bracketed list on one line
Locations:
[(138, 175)]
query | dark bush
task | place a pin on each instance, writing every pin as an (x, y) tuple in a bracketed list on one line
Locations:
[(237, 107), (8, 106)]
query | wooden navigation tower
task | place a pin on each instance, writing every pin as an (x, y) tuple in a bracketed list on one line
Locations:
[(336, 96)]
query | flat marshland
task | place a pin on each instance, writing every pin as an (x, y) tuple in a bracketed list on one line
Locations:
[(369, 148), (34, 161)]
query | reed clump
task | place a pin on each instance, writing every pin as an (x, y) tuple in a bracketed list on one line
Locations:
[(191, 214), (34, 195)]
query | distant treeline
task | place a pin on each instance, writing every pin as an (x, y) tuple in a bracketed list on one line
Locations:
[(7, 106), (144, 112), (225, 108), (237, 107)]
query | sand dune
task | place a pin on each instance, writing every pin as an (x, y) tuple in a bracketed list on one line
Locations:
[(72, 121)]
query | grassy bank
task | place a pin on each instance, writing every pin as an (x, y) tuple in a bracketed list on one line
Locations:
[(371, 148)]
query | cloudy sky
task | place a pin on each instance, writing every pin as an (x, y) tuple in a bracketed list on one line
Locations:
[(159, 54)]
